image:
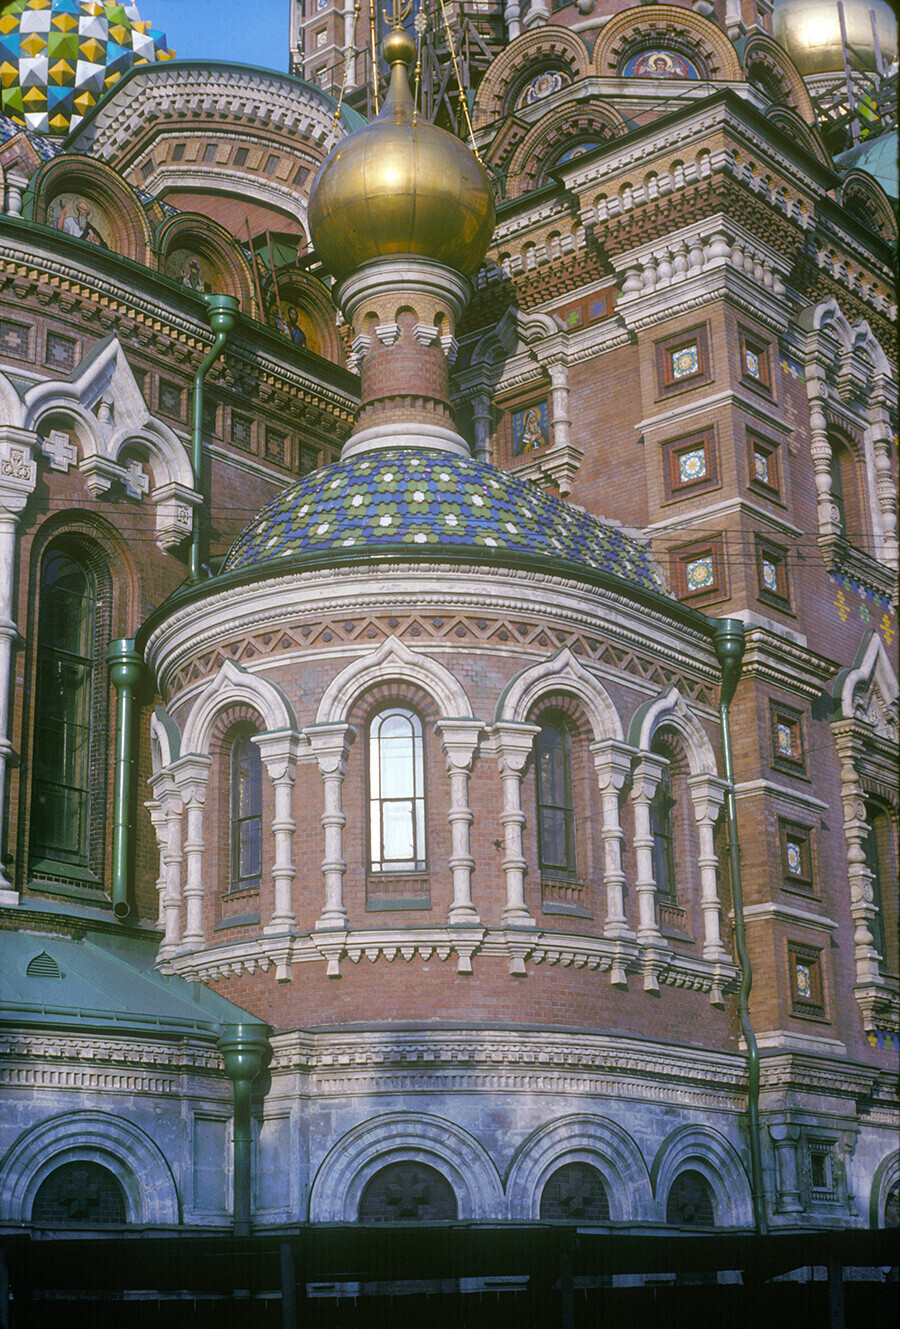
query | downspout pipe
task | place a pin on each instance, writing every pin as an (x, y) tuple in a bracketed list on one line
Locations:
[(728, 638), (222, 311), (244, 1048), (125, 670)]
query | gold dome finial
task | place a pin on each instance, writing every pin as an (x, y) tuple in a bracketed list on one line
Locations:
[(400, 185)]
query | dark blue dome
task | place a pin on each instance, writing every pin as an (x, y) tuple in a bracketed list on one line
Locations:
[(427, 499)]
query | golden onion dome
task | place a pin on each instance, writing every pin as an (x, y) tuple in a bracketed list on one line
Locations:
[(810, 32), (401, 186)]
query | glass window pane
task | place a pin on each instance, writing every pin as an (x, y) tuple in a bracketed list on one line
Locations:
[(397, 823)]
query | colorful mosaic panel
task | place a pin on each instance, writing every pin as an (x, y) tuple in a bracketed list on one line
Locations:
[(406, 499), (692, 466), (531, 428), (784, 739), (685, 361), (770, 576), (59, 57), (794, 858), (659, 63), (761, 467), (700, 573), (752, 364), (804, 981)]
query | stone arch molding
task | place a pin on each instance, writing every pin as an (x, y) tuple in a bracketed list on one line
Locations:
[(669, 708), (135, 1160), (532, 50), (234, 686), (560, 673), (580, 1138), (762, 50), (401, 1137), (393, 660), (869, 690), (111, 419), (704, 1150), (886, 1177), (632, 30)]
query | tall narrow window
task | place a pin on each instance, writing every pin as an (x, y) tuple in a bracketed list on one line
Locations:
[(396, 792), (663, 833), (246, 814), (556, 812), (880, 860), (61, 789)]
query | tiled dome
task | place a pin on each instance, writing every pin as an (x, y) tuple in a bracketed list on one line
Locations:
[(430, 499), (59, 57)]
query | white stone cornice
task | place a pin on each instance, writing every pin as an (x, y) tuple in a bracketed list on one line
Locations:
[(796, 797), (197, 92), (516, 945), (776, 660), (439, 588), (711, 513), (735, 398), (769, 912)]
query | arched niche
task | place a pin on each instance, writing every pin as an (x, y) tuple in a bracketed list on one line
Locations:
[(769, 67), (545, 48), (201, 255), (666, 28), (556, 132), (300, 302), (705, 1151), (85, 199)]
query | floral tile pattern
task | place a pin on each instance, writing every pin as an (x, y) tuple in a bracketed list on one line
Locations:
[(426, 498)]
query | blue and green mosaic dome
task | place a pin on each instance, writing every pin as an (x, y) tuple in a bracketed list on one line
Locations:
[(59, 57), (424, 499)]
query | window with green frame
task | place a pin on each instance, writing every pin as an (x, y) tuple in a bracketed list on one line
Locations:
[(246, 814), (555, 804), (64, 738)]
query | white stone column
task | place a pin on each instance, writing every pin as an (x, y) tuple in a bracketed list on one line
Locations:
[(827, 514), (482, 419), (708, 795), (172, 859), (612, 762), (330, 744), (279, 753), (647, 775), (512, 744), (18, 475), (191, 776), (879, 433), (16, 184), (459, 738), (559, 400), (158, 822), (785, 1138), (856, 829)]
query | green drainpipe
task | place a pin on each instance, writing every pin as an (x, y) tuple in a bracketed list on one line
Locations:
[(243, 1047), (125, 668), (729, 642), (223, 314)]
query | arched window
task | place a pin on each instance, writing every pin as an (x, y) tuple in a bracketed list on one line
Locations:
[(555, 805), (246, 814), (845, 492), (80, 1192), (690, 1202), (396, 792), (576, 1190), (881, 860), (662, 830), (407, 1192), (69, 760)]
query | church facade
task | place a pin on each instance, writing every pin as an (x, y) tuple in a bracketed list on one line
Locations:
[(448, 683)]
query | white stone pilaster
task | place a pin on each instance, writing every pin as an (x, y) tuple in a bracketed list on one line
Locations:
[(512, 743), (459, 738), (330, 744), (279, 754), (191, 776), (612, 762), (708, 795), (647, 775)]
